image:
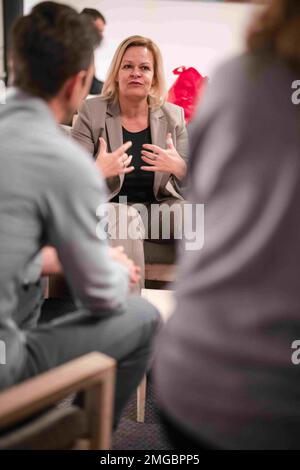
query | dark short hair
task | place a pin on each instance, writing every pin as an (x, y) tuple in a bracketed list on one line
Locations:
[(93, 14), (50, 45)]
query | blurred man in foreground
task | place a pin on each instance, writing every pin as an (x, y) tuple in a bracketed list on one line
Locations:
[(49, 192)]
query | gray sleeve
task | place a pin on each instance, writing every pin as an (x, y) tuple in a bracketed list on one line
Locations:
[(70, 209), (33, 270), (82, 129)]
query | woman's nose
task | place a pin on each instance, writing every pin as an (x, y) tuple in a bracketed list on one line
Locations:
[(135, 72)]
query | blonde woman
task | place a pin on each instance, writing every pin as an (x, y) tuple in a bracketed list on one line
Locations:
[(138, 140)]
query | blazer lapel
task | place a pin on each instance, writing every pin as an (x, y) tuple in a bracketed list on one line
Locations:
[(114, 130), (158, 126)]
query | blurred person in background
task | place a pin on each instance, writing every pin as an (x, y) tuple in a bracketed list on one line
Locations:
[(99, 22), (225, 374)]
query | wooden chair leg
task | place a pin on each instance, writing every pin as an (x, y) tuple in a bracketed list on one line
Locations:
[(141, 400)]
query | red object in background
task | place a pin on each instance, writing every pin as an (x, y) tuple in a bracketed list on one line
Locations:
[(187, 90)]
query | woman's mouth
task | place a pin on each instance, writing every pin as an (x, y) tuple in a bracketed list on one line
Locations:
[(135, 83)]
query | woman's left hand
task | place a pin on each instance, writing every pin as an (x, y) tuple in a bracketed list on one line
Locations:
[(166, 160)]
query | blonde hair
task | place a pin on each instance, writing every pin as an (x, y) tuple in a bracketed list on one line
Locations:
[(158, 92)]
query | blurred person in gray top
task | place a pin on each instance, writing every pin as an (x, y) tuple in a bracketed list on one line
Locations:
[(225, 374), (49, 195), (99, 22)]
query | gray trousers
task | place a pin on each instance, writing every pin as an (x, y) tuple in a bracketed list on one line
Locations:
[(124, 335)]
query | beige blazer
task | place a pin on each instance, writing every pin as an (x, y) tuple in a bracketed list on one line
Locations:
[(98, 118)]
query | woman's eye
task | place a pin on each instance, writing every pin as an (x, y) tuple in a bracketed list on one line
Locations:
[(145, 67), (126, 66)]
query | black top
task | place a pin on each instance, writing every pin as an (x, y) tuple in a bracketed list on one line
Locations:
[(137, 185)]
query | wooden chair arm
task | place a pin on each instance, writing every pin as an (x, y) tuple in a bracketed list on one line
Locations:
[(33, 395)]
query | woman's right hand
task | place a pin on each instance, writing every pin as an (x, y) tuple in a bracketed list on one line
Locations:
[(114, 163)]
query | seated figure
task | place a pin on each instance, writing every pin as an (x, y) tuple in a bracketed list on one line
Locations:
[(50, 194), (139, 142)]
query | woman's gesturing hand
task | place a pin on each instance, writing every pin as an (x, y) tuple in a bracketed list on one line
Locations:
[(166, 160), (114, 163)]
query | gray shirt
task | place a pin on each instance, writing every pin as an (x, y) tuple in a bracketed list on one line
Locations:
[(49, 194), (224, 368)]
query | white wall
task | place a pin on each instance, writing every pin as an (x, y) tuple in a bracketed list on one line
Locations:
[(197, 34)]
